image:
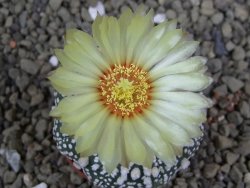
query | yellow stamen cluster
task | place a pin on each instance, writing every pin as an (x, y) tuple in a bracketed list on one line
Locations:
[(125, 89)]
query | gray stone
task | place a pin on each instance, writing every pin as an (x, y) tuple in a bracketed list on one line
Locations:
[(10, 114), (46, 169), (221, 90), (171, 14), (64, 14), (85, 14), (242, 66), (19, 7), (227, 30), (9, 177), (245, 109), (29, 66), (36, 99), (217, 18), (210, 170), (13, 73), (55, 4), (13, 98), (235, 118), (230, 46), (117, 3), (18, 182), (247, 88), (214, 65), (75, 178), (22, 82), (232, 157), (243, 148), (238, 53), (23, 19), (225, 168), (26, 139), (222, 142), (29, 166), (8, 21), (207, 8), (32, 90), (41, 127), (241, 12), (235, 174), (233, 84), (54, 178), (27, 180), (247, 178)]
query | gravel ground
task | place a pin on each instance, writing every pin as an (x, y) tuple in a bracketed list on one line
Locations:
[(31, 29)]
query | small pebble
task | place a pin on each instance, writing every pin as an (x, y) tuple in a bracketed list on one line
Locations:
[(233, 83), (159, 18), (99, 8), (238, 53), (210, 170), (41, 185), (53, 61)]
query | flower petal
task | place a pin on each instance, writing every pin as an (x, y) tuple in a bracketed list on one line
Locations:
[(153, 139), (76, 54), (124, 21), (188, 82), (75, 118), (87, 45), (89, 133), (193, 64), (68, 83), (73, 103), (150, 41), (135, 150), (170, 131), (106, 32), (188, 100), (181, 51), (187, 119), (160, 50), (71, 65), (136, 30), (109, 147)]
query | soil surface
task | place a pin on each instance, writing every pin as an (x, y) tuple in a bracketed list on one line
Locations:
[(31, 29)]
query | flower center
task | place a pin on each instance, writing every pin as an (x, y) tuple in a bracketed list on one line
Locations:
[(125, 89)]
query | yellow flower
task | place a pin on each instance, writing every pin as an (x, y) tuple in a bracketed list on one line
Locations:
[(130, 92)]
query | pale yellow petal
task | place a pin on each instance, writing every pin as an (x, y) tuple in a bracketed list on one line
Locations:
[(81, 115), (139, 26), (190, 120), (109, 147), (188, 100), (193, 64), (181, 51), (71, 65), (92, 122), (166, 43), (87, 45), (150, 41), (170, 131), (124, 21), (74, 52), (153, 139), (135, 150), (67, 82), (74, 103), (182, 82), (88, 134)]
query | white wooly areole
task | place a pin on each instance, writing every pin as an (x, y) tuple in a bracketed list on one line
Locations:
[(128, 108)]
